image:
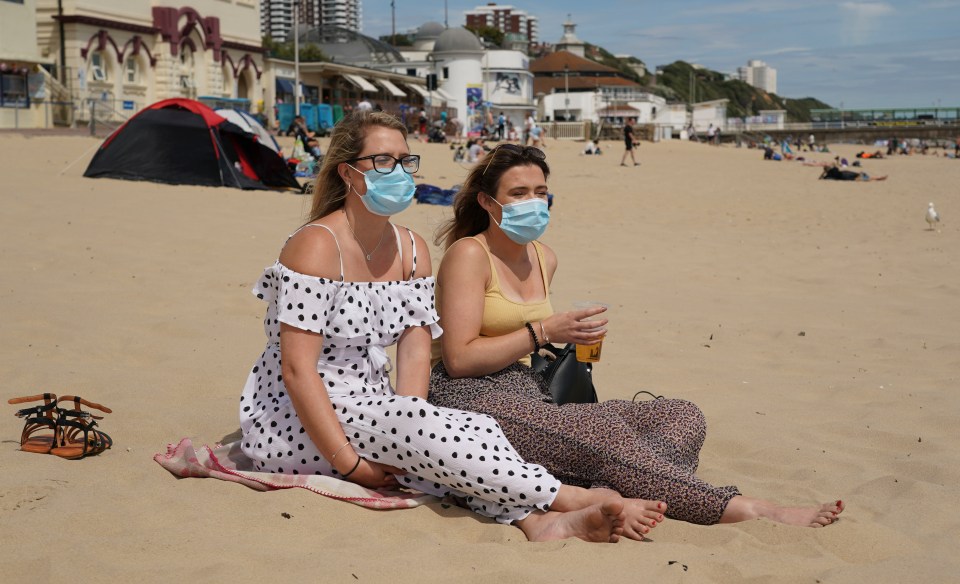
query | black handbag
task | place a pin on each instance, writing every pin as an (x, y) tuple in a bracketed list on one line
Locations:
[(570, 380)]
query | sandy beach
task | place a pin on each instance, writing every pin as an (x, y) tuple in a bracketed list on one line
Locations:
[(814, 323)]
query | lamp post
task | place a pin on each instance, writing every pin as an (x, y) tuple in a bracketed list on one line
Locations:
[(296, 58), (566, 93)]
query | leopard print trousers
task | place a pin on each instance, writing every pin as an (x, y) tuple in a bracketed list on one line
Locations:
[(646, 450)]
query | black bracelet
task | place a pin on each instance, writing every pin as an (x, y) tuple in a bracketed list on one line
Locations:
[(533, 335), (355, 467)]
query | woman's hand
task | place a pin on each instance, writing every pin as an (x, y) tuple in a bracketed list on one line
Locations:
[(570, 327), (374, 475)]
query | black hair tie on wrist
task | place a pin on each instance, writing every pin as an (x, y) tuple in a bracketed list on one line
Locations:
[(533, 336), (355, 467)]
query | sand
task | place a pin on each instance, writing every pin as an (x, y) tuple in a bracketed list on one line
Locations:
[(814, 322)]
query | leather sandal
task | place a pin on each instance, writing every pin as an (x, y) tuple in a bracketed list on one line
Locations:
[(75, 435), (40, 429)]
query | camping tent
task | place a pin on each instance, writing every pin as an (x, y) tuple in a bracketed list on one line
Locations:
[(249, 124), (181, 141)]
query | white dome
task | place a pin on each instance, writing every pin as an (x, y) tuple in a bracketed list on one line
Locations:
[(430, 30), (457, 39)]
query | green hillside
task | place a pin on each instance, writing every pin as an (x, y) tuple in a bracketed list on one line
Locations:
[(680, 81)]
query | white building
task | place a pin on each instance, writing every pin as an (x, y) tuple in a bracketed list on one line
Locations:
[(124, 58), (21, 78), (470, 78), (709, 113), (276, 16), (759, 75), (569, 41), (505, 18)]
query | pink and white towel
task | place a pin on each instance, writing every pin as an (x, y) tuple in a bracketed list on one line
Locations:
[(227, 462)]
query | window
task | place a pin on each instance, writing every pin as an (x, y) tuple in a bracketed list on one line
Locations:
[(130, 68), (13, 90), (446, 73), (97, 71)]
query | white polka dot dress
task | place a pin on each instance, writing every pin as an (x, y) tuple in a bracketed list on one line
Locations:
[(444, 451)]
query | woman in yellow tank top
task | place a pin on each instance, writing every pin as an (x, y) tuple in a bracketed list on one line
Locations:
[(493, 295)]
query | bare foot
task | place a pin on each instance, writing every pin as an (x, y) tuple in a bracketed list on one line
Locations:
[(602, 523), (641, 515), (808, 516), (742, 508)]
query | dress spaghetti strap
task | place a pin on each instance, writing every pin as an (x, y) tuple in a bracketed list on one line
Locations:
[(413, 245), (396, 234), (334, 235), (494, 279), (543, 266)]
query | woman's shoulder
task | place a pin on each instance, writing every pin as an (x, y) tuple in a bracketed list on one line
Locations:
[(549, 258), (467, 249), (313, 250)]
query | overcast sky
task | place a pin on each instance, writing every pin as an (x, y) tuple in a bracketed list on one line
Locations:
[(862, 54)]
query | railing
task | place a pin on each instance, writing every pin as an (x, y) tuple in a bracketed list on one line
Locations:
[(566, 130)]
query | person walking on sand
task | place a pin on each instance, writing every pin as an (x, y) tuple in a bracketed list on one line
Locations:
[(629, 142)]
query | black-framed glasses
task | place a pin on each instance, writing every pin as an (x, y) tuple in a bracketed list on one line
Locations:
[(531, 151), (384, 163)]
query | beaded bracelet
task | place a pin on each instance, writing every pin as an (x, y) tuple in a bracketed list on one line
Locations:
[(533, 335), (355, 467)]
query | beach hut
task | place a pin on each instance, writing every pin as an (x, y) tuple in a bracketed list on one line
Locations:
[(182, 141)]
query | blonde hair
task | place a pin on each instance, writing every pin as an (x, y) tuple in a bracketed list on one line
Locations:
[(469, 218), (329, 190)]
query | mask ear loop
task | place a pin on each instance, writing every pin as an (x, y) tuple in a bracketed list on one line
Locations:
[(492, 218)]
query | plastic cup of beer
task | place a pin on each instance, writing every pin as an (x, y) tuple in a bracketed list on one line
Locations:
[(590, 353)]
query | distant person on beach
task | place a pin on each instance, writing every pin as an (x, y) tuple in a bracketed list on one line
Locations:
[(629, 142), (493, 295), (592, 148), (476, 151), (307, 137), (812, 143), (501, 127), (835, 173), (319, 399), (536, 136)]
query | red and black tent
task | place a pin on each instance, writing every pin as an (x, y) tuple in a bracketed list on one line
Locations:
[(182, 141)]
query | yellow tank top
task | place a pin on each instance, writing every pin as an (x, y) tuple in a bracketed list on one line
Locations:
[(503, 316)]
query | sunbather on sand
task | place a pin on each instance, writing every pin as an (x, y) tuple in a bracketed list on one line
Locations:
[(834, 173)]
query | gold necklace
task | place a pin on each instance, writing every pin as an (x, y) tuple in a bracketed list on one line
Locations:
[(369, 256)]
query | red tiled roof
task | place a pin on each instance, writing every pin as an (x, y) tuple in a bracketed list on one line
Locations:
[(554, 62)]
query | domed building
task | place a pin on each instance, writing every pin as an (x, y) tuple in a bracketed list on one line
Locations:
[(470, 77), (427, 36)]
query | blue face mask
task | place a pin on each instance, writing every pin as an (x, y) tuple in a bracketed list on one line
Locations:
[(387, 194), (524, 221)]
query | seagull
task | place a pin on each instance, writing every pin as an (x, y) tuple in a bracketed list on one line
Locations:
[(932, 216)]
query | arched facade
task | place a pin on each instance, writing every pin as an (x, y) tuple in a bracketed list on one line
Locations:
[(123, 64)]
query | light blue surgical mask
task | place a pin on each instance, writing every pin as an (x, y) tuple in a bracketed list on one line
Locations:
[(524, 221), (387, 194)]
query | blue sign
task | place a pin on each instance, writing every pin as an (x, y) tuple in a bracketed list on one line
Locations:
[(127, 104)]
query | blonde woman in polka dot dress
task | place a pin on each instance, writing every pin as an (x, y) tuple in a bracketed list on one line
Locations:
[(319, 400), (493, 288)]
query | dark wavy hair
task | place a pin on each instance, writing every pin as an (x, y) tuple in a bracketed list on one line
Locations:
[(469, 218)]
